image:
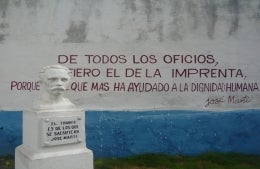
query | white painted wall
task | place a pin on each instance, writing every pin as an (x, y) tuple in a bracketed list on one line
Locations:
[(33, 33)]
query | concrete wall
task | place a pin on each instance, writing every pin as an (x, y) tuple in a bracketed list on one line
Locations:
[(80, 21), (34, 33)]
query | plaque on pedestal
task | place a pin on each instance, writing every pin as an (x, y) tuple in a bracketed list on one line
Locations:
[(54, 129)]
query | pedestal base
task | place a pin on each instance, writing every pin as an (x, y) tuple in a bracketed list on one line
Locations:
[(67, 159)]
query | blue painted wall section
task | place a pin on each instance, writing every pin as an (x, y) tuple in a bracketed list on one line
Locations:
[(10, 131), (123, 133)]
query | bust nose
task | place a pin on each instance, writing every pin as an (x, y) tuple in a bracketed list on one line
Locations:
[(59, 82)]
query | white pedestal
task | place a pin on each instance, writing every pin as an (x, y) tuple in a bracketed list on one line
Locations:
[(53, 139)]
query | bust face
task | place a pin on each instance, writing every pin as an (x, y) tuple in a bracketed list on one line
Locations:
[(55, 81)]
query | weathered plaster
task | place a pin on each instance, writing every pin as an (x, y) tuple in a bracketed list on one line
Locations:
[(96, 21), (3, 7), (234, 12), (211, 17), (76, 33)]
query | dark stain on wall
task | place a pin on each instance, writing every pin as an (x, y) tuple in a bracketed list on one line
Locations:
[(3, 27), (2, 37), (31, 3), (3, 24), (233, 8), (159, 28), (76, 33), (17, 3), (3, 7), (160, 31), (148, 9), (130, 4), (142, 35), (211, 17), (192, 8), (257, 14), (176, 8)]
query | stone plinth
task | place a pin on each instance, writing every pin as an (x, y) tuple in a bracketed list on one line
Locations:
[(53, 139)]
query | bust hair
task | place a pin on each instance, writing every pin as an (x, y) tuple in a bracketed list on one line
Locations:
[(43, 70)]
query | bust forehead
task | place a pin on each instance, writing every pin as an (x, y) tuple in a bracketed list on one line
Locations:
[(54, 71)]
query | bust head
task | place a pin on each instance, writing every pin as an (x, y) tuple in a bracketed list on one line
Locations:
[(53, 80)]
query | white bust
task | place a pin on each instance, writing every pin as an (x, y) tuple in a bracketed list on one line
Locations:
[(53, 80)]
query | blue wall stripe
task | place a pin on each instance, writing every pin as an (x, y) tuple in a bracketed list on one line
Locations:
[(124, 133)]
